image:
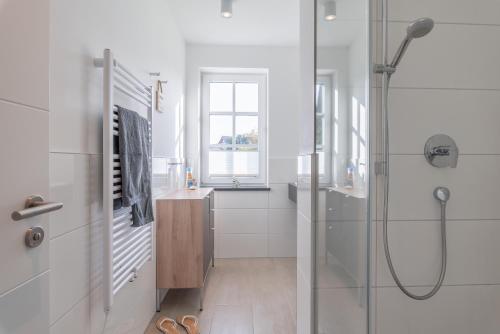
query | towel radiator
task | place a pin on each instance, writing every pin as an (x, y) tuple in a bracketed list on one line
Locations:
[(126, 248)]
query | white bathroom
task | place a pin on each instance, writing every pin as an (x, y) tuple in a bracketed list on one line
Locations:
[(260, 167)]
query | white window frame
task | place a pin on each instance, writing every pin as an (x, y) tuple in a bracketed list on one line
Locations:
[(327, 80), (236, 77)]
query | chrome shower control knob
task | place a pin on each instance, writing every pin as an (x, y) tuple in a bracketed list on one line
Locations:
[(442, 194), (441, 151)]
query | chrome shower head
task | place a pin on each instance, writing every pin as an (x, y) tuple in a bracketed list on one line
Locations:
[(420, 28), (416, 29)]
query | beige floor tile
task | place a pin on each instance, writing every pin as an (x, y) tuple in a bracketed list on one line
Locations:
[(255, 296), (232, 319)]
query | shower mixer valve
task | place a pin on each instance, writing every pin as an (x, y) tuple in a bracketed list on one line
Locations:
[(441, 151)]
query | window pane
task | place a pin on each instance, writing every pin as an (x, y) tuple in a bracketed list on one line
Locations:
[(247, 97), (220, 163), (246, 163), (319, 132), (221, 129), (354, 144), (247, 130), (320, 98), (229, 163), (221, 96), (355, 113)]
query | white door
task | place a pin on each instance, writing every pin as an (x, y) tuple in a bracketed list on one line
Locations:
[(24, 163)]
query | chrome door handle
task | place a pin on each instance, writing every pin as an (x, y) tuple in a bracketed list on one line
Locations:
[(34, 206)]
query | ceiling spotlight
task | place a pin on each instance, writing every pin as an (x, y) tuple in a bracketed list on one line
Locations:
[(226, 8), (330, 10)]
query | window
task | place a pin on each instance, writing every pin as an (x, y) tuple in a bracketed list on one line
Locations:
[(323, 125), (358, 136), (234, 128)]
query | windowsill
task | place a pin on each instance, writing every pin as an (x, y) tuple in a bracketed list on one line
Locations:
[(240, 188)]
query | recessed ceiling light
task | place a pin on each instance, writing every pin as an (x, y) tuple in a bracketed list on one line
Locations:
[(330, 10), (226, 8)]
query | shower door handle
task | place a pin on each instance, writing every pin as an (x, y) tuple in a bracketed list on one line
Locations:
[(34, 206)]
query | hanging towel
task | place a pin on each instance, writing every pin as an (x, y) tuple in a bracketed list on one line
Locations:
[(134, 149), (159, 96)]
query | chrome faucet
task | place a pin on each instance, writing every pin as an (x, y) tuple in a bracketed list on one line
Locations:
[(236, 183)]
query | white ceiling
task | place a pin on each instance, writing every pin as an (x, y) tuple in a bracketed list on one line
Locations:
[(261, 22)]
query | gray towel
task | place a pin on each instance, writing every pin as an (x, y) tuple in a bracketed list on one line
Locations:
[(134, 149)]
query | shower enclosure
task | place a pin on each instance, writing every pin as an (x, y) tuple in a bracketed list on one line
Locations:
[(417, 252), (342, 147), (333, 184)]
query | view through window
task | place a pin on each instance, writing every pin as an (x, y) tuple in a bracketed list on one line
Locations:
[(234, 128)]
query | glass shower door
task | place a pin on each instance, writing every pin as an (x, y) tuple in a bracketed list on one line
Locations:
[(340, 294)]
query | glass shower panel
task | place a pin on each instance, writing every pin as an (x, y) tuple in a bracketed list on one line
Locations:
[(342, 148)]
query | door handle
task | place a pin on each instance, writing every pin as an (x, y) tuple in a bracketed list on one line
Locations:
[(34, 206)]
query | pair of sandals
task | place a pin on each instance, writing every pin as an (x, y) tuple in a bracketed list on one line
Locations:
[(171, 326)]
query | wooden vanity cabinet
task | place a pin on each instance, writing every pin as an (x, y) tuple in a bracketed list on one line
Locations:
[(184, 238)]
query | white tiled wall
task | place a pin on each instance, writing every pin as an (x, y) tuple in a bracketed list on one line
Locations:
[(255, 223), (79, 31), (24, 119), (448, 82)]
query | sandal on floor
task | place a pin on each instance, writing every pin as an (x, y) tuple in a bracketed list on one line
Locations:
[(167, 326), (190, 324)]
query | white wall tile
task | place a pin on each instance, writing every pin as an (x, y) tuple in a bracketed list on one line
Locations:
[(76, 321), (416, 252), (450, 11), (474, 186), (70, 183), (95, 188), (278, 197), (241, 221), (451, 56), (241, 199), (24, 60), (242, 245), (70, 271), (76, 85), (304, 199), (304, 248), (283, 221), (282, 170), (470, 117), (448, 82), (454, 309), (24, 310), (282, 245), (24, 172), (133, 305)]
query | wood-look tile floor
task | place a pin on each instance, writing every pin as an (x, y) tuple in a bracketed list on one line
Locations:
[(254, 296)]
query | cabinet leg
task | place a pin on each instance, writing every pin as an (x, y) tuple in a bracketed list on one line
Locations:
[(202, 292), (158, 301)]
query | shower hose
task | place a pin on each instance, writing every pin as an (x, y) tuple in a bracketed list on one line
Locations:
[(439, 282)]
